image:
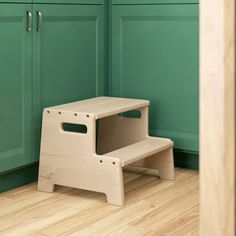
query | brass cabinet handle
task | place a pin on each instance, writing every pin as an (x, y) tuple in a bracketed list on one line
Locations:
[(39, 20), (29, 21)]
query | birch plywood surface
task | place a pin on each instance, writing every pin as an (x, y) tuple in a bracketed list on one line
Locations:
[(217, 117), (141, 149), (152, 208), (70, 159), (102, 106)]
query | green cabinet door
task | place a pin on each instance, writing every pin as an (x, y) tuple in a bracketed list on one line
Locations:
[(87, 2), (146, 2), (155, 56), (68, 56), (15, 87), (15, 1)]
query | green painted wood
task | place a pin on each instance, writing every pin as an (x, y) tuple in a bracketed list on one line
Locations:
[(15, 1), (188, 160), (68, 57), (15, 87), (106, 47), (87, 2), (146, 2), (109, 44), (155, 57), (19, 177)]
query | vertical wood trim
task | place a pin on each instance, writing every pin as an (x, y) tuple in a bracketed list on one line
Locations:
[(217, 117)]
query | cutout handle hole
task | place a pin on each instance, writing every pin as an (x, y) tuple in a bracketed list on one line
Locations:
[(74, 128)]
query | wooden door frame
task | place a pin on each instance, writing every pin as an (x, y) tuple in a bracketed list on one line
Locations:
[(217, 118)]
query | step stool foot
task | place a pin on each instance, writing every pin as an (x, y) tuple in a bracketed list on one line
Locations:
[(115, 198), (45, 186)]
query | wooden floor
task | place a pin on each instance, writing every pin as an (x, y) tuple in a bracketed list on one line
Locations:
[(153, 207)]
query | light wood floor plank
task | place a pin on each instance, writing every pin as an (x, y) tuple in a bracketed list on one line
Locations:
[(153, 207), (158, 218), (83, 219), (183, 224)]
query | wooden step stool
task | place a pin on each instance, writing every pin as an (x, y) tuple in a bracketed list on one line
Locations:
[(93, 160)]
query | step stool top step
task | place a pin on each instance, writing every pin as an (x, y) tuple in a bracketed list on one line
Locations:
[(102, 106), (140, 150)]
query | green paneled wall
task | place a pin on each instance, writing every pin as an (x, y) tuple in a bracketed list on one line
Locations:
[(152, 2), (155, 56)]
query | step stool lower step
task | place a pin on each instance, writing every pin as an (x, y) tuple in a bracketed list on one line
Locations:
[(140, 150)]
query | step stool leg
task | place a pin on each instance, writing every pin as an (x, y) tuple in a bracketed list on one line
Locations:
[(164, 162), (45, 183), (116, 196), (115, 192), (45, 186)]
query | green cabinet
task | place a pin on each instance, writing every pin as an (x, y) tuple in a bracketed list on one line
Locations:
[(68, 53), (15, 87), (87, 2), (155, 56), (60, 60), (148, 2), (15, 1)]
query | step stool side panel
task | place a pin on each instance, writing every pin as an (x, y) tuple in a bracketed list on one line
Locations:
[(56, 144), (116, 131), (55, 139), (95, 174), (164, 162)]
